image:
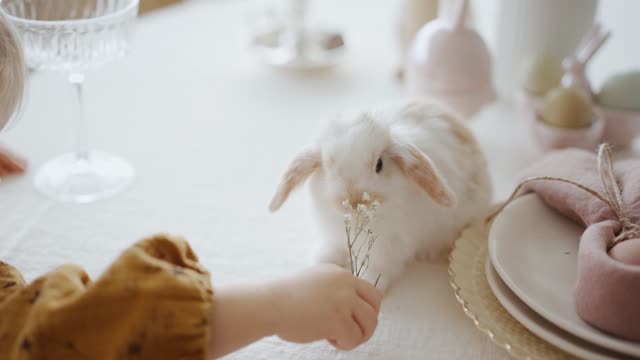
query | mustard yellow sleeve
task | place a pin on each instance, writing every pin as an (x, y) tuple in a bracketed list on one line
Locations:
[(152, 303), (10, 281)]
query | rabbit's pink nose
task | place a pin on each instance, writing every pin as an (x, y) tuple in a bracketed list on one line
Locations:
[(357, 196), (352, 198), (361, 197)]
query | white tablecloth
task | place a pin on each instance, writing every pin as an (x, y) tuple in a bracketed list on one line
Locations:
[(210, 130)]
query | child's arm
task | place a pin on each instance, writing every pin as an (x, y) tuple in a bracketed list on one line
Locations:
[(324, 302), (152, 303)]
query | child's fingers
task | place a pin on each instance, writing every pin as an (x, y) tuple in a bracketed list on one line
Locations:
[(4, 170), (348, 334), (11, 164), (367, 318), (369, 294)]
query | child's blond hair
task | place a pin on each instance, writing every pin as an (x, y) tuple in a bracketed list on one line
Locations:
[(12, 72)]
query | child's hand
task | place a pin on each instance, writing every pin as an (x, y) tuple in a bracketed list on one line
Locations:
[(325, 302)]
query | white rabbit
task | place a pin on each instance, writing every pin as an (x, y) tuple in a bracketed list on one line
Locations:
[(423, 166)]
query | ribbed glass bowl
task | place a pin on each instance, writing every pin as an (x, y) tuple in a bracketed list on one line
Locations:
[(72, 34)]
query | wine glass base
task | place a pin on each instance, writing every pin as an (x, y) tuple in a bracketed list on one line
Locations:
[(69, 178), (321, 49)]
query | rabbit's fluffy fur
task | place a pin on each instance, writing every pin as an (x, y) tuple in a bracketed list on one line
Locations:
[(432, 183)]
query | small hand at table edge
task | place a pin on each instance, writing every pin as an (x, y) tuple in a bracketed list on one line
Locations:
[(11, 163), (324, 302)]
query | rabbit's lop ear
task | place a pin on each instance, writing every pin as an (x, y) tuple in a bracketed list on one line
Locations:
[(419, 168), (299, 170)]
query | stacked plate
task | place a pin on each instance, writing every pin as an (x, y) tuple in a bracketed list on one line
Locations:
[(532, 270)]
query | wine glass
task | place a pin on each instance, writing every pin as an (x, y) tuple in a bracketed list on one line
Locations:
[(291, 43), (73, 36)]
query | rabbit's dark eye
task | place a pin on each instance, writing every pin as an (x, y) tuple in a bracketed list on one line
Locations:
[(379, 166)]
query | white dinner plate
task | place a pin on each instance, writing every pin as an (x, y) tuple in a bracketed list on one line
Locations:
[(534, 250), (540, 326)]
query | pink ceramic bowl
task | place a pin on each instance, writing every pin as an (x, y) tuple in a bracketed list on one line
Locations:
[(622, 126), (551, 137)]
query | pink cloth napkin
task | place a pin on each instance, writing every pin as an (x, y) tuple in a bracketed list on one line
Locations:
[(607, 293)]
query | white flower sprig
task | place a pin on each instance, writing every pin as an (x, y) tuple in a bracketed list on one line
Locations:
[(356, 222)]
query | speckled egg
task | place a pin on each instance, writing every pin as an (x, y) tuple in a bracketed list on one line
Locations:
[(541, 74), (621, 92), (567, 108)]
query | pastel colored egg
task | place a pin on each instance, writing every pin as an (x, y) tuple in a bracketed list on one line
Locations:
[(627, 252), (567, 108), (621, 91)]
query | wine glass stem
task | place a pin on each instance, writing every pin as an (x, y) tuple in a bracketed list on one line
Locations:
[(298, 19), (298, 12), (80, 123)]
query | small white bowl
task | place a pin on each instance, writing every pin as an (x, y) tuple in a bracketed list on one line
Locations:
[(551, 137), (621, 127)]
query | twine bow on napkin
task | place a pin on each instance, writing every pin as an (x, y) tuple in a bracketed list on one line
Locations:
[(612, 195), (629, 230)]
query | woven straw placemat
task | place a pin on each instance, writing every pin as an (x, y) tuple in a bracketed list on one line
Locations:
[(469, 281)]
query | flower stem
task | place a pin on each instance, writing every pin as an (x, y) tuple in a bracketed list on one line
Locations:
[(349, 245), (377, 279)]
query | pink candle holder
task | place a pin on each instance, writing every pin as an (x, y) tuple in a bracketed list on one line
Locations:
[(551, 137)]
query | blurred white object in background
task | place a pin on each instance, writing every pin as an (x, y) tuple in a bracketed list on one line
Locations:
[(290, 42), (412, 16), (532, 27)]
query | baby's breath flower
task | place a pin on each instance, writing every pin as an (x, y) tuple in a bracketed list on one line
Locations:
[(362, 208), (347, 219), (357, 227)]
